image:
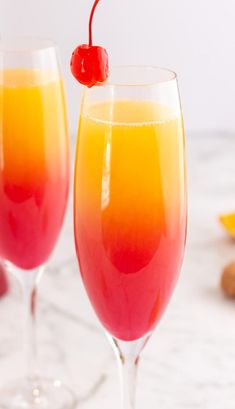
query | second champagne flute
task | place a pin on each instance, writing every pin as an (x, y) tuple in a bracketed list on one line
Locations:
[(34, 184)]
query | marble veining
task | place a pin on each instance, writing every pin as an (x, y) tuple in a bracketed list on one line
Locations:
[(189, 361)]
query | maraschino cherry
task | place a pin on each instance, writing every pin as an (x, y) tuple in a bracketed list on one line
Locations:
[(89, 63)]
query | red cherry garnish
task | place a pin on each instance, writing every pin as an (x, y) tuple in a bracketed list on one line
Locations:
[(89, 63)]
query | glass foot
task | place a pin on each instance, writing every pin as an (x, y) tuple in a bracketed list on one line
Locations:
[(37, 394)]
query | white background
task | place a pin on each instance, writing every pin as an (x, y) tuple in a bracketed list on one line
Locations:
[(196, 38)]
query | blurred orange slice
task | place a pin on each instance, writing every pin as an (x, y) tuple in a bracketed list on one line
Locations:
[(228, 221)]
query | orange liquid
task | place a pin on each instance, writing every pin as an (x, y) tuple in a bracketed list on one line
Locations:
[(34, 172), (130, 212)]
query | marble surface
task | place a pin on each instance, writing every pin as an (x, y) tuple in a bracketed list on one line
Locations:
[(190, 360)]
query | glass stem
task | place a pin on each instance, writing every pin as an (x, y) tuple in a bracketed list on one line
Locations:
[(30, 283), (128, 354), (128, 375), (30, 344)]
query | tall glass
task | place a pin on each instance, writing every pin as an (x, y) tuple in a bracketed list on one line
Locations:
[(130, 206), (34, 184)]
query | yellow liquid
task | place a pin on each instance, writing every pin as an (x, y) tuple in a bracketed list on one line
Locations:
[(33, 121), (130, 211)]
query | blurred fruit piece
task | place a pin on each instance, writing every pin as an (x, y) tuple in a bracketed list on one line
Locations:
[(228, 280), (3, 281), (228, 221)]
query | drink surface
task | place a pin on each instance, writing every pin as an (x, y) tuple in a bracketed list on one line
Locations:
[(130, 212), (34, 173)]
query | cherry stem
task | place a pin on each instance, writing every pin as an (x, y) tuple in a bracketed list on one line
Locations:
[(90, 21)]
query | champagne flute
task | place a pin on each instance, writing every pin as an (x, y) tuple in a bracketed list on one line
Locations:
[(130, 206), (34, 184)]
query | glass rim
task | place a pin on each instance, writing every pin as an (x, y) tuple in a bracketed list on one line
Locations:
[(25, 44), (172, 76)]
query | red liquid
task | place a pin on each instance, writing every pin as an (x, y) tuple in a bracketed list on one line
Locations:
[(30, 220), (129, 304)]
